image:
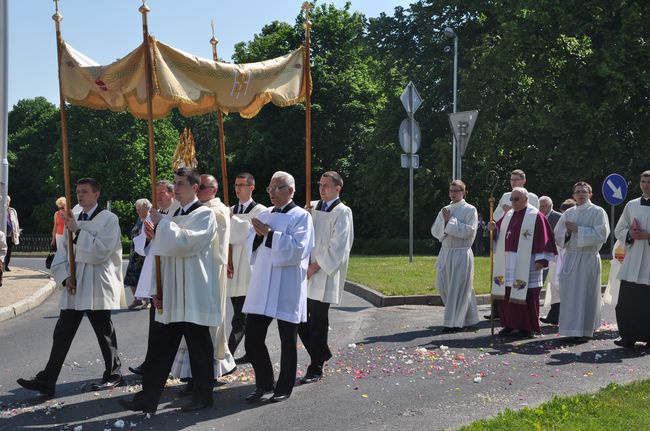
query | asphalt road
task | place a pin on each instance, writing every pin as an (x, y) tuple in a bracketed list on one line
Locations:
[(393, 368)]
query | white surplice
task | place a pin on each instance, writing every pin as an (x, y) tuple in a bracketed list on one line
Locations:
[(455, 264), (334, 235), (580, 274), (240, 225), (187, 245), (224, 362), (98, 264), (533, 200), (636, 265), (278, 286)]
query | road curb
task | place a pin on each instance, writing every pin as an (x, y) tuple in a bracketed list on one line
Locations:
[(379, 300), (27, 304)]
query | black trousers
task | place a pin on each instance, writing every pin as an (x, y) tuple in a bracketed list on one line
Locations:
[(10, 246), (238, 323), (257, 352), (64, 332), (313, 334), (164, 342), (153, 327)]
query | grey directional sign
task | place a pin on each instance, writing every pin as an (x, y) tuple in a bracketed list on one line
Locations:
[(410, 98), (405, 136), (462, 124)]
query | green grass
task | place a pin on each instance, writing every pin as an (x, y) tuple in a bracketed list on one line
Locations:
[(394, 275), (612, 408)]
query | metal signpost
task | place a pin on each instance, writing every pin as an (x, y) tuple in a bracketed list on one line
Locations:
[(409, 140), (614, 192), (462, 125)]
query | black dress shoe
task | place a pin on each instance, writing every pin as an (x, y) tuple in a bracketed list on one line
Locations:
[(526, 334), (197, 405), (310, 378), (229, 372), (243, 360), (449, 329), (34, 384), (257, 394), (489, 316), (278, 398), (106, 384), (136, 370), (135, 406), (548, 321), (506, 331), (624, 342)]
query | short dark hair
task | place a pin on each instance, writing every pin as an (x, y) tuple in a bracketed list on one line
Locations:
[(519, 173), (458, 183), (94, 184), (337, 179), (569, 203), (250, 179), (582, 184), (192, 175)]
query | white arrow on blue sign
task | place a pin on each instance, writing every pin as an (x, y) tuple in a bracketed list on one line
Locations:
[(614, 189)]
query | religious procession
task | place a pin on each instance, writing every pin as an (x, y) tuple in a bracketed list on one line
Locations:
[(195, 255)]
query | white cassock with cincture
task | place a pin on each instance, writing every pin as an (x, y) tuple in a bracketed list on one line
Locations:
[(455, 264), (334, 235), (98, 265), (278, 286), (579, 276)]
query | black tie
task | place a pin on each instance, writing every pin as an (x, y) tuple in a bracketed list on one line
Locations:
[(241, 208), (276, 210), (163, 212), (84, 216), (645, 202)]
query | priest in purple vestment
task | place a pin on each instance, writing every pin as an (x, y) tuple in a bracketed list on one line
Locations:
[(519, 263)]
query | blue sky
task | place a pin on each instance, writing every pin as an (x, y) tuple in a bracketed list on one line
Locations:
[(109, 29)]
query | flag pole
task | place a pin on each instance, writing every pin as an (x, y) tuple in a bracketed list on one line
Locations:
[(222, 138), (306, 7), (57, 17), (144, 9)]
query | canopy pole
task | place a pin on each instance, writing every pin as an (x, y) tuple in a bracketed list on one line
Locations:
[(144, 9), (222, 138), (306, 6), (71, 284)]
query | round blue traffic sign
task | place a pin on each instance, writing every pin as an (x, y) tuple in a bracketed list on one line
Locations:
[(614, 189)]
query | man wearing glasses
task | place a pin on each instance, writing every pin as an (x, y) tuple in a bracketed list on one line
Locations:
[(224, 363), (280, 242), (334, 234), (524, 246), (455, 228), (581, 231), (517, 179), (239, 266)]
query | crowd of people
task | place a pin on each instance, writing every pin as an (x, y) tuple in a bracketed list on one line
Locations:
[(532, 241), (283, 263)]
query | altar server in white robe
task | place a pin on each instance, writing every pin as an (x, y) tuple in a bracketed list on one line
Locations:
[(167, 206), (517, 179), (633, 229), (280, 242), (239, 265), (334, 234), (191, 301), (581, 231), (224, 363), (98, 284), (455, 227)]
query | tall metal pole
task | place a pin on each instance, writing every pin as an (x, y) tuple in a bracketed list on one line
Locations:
[(612, 237), (306, 6), (456, 172), (57, 17), (4, 88), (412, 127), (222, 137), (144, 9)]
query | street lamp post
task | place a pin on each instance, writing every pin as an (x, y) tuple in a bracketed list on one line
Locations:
[(449, 34)]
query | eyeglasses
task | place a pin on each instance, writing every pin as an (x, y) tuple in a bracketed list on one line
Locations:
[(203, 187), (241, 185), (581, 192), (270, 189), (515, 199)]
